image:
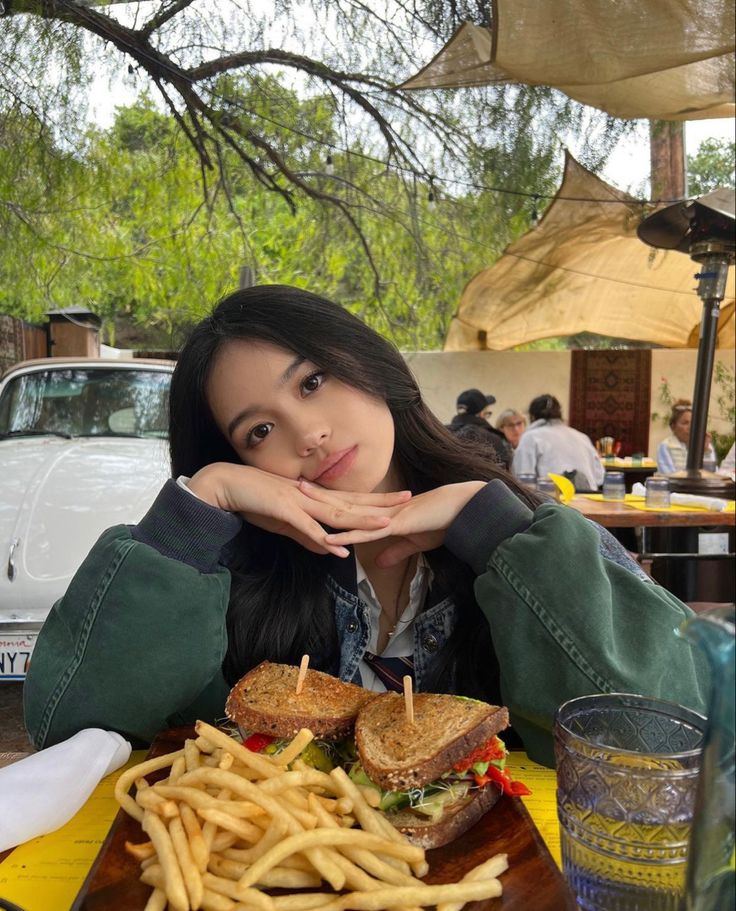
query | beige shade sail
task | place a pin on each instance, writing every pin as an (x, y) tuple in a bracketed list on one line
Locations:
[(669, 60), (583, 269)]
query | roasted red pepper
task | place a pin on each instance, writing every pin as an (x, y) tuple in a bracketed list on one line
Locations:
[(257, 742), (486, 752), (513, 788)]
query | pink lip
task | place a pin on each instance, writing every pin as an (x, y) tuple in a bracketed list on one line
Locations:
[(336, 465)]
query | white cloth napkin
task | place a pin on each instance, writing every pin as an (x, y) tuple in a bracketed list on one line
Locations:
[(43, 791), (716, 504)]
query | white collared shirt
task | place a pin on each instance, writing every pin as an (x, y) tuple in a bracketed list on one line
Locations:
[(401, 643)]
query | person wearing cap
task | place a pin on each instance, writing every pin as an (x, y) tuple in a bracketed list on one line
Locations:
[(471, 423)]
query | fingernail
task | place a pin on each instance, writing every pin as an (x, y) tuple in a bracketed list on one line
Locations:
[(342, 552), (305, 483)]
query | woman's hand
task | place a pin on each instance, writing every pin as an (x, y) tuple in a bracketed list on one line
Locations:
[(279, 505), (417, 524)]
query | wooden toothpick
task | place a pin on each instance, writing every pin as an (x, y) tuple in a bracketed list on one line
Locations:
[(302, 673), (409, 699)]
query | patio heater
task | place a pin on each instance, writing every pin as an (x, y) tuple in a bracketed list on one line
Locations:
[(704, 228)]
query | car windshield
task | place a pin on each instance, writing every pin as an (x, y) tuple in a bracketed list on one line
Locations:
[(85, 401)]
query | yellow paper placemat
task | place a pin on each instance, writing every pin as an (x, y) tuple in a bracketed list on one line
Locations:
[(542, 802), (47, 872), (640, 503)]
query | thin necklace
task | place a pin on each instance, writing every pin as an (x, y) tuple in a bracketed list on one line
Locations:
[(398, 598)]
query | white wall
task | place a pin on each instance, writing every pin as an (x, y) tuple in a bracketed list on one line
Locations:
[(516, 377)]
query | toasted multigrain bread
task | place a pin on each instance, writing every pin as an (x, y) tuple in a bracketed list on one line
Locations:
[(265, 700), (397, 755), (457, 818)]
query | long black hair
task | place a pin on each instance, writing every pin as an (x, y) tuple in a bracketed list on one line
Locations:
[(279, 608)]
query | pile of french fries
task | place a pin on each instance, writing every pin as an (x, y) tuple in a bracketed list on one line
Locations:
[(227, 824)]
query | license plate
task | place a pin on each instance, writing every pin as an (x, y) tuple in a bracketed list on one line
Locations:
[(15, 654)]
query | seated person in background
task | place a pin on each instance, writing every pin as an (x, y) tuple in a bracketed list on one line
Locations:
[(672, 451), (550, 445), (512, 424), (471, 423)]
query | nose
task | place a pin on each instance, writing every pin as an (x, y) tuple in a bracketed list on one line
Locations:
[(311, 438)]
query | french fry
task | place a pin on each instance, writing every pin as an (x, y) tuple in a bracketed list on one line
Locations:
[(227, 824), (261, 764), (241, 827), (157, 901), (227, 887), (489, 869), (178, 767), (192, 755), (190, 873), (122, 785), (304, 841), (297, 746), (140, 851), (197, 844), (173, 880)]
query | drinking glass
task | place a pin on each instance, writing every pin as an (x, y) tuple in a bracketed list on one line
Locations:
[(657, 493), (627, 771), (529, 479), (614, 486)]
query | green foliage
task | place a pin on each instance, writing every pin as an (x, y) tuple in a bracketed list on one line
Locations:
[(712, 166), (222, 160), (152, 255)]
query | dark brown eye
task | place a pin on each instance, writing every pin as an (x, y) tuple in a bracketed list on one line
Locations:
[(258, 433), (312, 382)]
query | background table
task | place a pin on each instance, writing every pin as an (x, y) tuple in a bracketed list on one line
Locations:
[(613, 514), (675, 547)]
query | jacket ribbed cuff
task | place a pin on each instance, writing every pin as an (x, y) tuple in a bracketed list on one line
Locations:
[(493, 515), (183, 527)]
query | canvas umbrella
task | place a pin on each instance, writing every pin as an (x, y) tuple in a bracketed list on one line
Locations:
[(584, 269), (670, 60)]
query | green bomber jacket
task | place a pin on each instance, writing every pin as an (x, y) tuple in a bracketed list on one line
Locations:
[(137, 642)]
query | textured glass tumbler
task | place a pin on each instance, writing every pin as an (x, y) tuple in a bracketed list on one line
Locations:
[(614, 486), (627, 772), (657, 493)]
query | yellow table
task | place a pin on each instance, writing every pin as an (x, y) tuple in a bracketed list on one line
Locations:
[(47, 872)]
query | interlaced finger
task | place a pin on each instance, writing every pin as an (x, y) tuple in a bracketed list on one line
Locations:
[(344, 516), (349, 497)]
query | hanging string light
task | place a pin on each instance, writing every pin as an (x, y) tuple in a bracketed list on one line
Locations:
[(329, 164)]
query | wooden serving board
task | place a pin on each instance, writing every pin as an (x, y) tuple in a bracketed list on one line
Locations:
[(533, 880)]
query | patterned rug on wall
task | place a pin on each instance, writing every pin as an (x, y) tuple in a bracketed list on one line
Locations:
[(609, 396)]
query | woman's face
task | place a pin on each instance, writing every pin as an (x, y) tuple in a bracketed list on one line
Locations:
[(513, 429), (283, 414), (681, 427)]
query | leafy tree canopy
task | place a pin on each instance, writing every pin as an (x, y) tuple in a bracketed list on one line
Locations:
[(295, 99), (712, 166)]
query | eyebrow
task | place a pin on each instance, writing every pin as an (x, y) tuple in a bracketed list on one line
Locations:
[(254, 409)]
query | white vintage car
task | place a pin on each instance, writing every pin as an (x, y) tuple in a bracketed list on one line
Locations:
[(83, 446)]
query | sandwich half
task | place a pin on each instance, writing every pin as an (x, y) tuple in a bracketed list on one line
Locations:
[(268, 711), (439, 775)]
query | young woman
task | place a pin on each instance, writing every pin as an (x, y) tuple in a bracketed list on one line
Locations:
[(317, 506), (672, 451)]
